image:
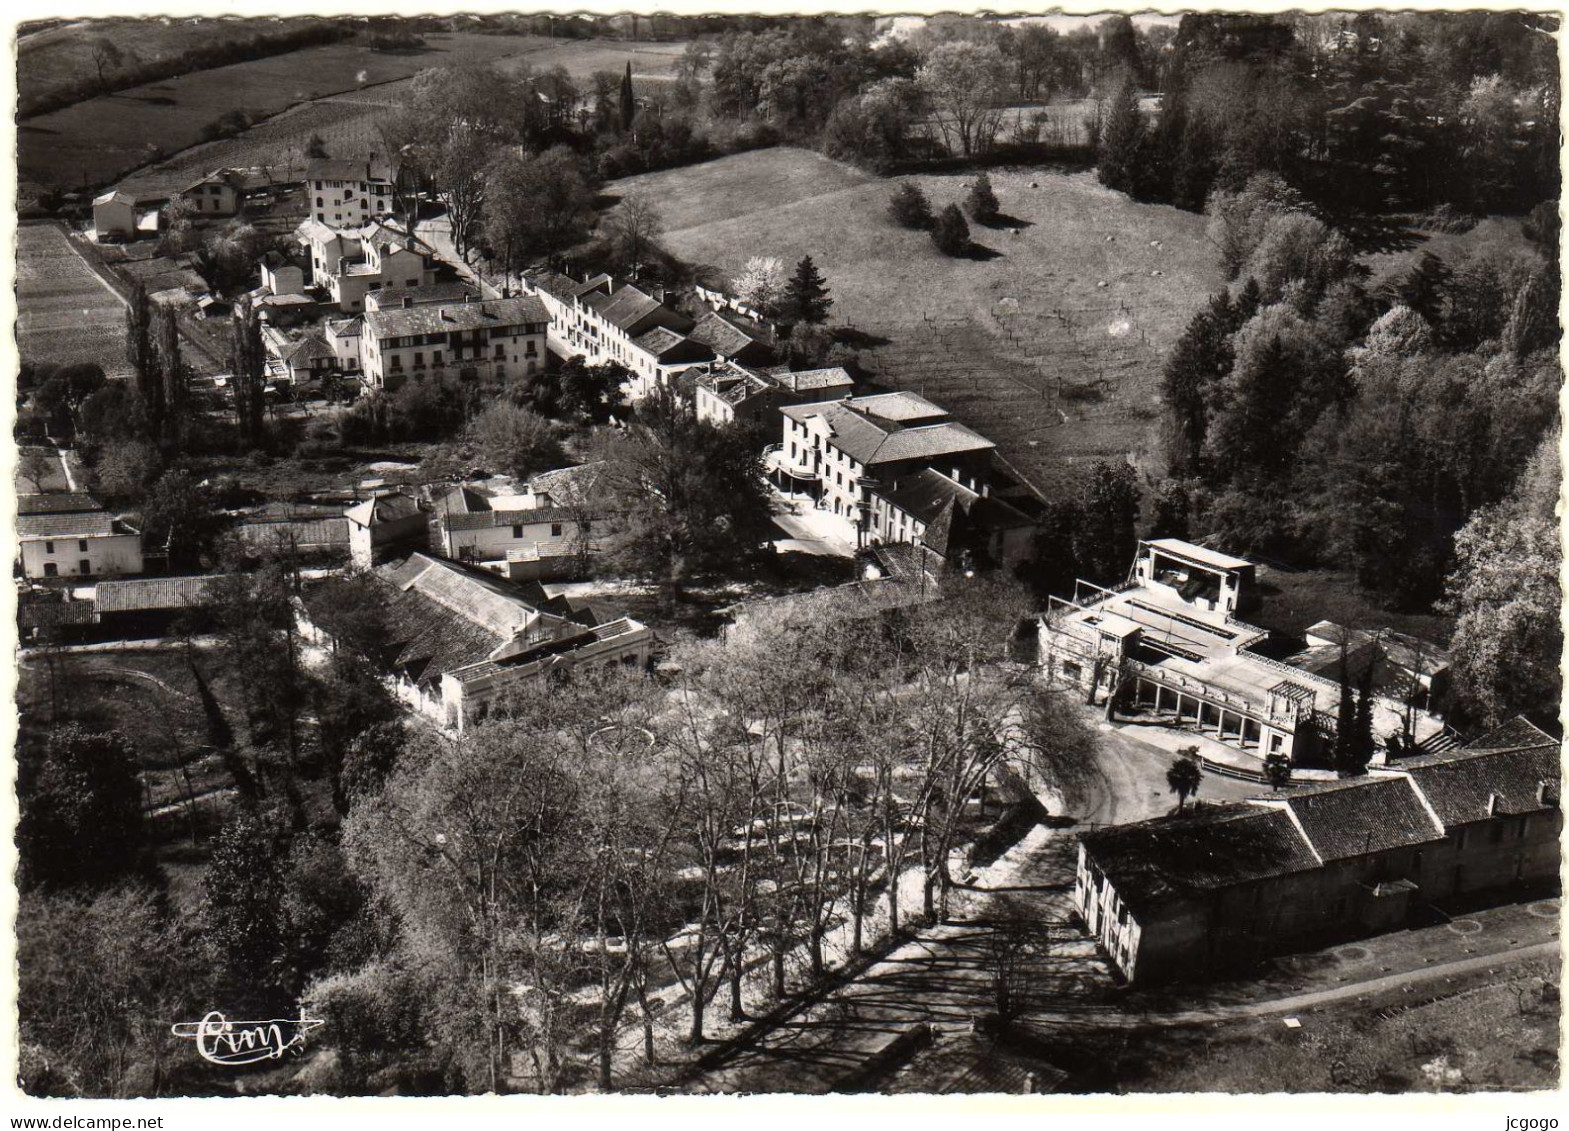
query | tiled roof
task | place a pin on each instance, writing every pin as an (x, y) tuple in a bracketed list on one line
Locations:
[(462, 500), (381, 234), (627, 307), (931, 441), (619, 628), (56, 502), (583, 483), (305, 532), (451, 290), (817, 380), (925, 493), (477, 597), (314, 231), (870, 430), (560, 286), (1205, 849), (487, 520), (1360, 816), (442, 318), (79, 524), (149, 594), (1518, 733), (383, 508), (659, 341), (344, 169), (723, 336), (305, 349), (1461, 785)]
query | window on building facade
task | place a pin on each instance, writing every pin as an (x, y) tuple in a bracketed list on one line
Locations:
[(555, 530), (86, 567), (81, 545), (517, 530), (419, 359), (48, 547)]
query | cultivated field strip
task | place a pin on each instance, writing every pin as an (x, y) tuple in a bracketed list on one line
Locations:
[(66, 313)]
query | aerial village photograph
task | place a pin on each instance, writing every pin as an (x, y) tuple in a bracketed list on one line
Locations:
[(750, 553)]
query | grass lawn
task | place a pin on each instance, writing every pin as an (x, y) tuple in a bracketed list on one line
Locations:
[(1295, 599), (66, 313), (1500, 233), (1050, 343)]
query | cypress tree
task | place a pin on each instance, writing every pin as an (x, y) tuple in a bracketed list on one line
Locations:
[(1122, 141), (1201, 357), (628, 103), (805, 295), (1362, 745)]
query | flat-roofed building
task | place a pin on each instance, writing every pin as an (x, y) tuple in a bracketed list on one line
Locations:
[(1169, 640)]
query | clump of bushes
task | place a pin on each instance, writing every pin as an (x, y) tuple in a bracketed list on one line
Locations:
[(910, 209), (981, 202), (951, 234)]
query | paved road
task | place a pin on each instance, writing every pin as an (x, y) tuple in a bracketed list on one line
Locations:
[(437, 231)]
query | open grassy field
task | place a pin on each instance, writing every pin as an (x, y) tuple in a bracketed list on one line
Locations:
[(341, 87), (57, 56), (65, 313), (94, 142), (1050, 342)]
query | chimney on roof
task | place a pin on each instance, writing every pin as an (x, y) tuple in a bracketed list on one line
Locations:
[(1492, 804)]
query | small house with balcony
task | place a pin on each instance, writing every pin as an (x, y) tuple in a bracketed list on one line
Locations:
[(524, 537), (217, 194)]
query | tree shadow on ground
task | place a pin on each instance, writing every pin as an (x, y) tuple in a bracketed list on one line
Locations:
[(858, 339), (1003, 222), (1377, 235), (979, 252)]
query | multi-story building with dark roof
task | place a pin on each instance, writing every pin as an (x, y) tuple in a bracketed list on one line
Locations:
[(491, 338), (348, 193), (606, 320), (898, 469), (1217, 887)]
